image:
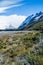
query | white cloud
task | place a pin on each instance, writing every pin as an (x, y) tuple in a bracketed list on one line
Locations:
[(9, 2), (15, 20), (6, 4), (2, 9)]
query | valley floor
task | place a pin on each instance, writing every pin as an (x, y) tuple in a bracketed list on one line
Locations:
[(21, 48)]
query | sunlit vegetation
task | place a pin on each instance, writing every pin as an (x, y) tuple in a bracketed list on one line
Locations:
[(21, 49), (37, 26)]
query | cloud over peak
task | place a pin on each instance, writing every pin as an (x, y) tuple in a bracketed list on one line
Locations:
[(14, 19)]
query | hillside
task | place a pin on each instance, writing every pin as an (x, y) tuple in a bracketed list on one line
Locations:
[(33, 22), (35, 26)]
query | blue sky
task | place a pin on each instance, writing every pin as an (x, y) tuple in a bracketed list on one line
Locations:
[(15, 11)]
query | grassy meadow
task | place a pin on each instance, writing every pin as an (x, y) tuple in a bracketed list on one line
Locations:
[(21, 48)]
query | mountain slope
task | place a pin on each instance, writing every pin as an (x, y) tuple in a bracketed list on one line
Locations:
[(35, 22), (25, 22), (36, 26)]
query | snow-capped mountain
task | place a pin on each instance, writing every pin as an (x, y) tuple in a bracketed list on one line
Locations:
[(25, 23), (31, 19), (10, 27)]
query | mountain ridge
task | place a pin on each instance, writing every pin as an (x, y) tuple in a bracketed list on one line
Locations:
[(33, 20)]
